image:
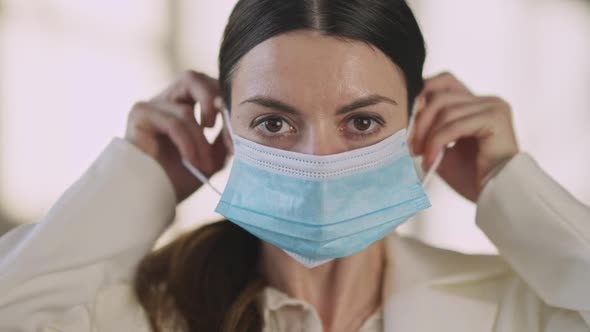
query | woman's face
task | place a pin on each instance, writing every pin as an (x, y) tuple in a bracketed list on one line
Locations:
[(315, 94)]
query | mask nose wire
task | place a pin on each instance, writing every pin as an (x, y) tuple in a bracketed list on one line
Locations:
[(195, 171)]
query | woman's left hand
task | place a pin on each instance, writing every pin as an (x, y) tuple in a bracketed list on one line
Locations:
[(480, 126)]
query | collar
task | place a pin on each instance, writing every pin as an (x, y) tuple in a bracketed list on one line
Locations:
[(432, 289), (410, 262)]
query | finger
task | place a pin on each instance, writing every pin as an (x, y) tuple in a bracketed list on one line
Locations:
[(452, 114), (203, 149), (443, 82), (154, 120), (191, 88), (204, 90), (426, 117), (218, 103), (477, 125)]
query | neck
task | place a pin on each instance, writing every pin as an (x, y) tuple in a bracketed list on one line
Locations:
[(345, 291)]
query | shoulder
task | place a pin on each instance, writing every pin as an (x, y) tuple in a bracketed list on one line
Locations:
[(417, 262), (117, 306)]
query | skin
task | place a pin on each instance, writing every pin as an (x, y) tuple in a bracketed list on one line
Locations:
[(290, 92)]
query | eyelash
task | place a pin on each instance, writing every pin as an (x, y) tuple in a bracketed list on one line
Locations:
[(379, 124), (378, 120), (256, 123)]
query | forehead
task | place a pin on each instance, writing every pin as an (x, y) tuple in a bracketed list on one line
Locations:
[(304, 67)]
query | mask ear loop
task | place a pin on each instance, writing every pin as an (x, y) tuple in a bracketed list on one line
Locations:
[(439, 157), (429, 175), (199, 175), (227, 123), (195, 171)]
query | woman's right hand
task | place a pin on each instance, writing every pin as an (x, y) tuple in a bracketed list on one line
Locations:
[(165, 128)]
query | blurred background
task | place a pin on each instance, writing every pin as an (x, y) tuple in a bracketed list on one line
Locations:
[(70, 71)]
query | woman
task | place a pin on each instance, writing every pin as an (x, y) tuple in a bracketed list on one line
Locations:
[(307, 80)]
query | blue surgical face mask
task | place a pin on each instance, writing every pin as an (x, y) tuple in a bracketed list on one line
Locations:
[(318, 208)]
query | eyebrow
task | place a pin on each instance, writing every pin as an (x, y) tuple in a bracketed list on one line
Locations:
[(269, 102)]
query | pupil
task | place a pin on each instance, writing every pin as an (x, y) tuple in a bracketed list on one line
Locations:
[(362, 124), (274, 125)]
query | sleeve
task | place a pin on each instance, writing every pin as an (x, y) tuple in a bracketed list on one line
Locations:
[(542, 231), (90, 240)]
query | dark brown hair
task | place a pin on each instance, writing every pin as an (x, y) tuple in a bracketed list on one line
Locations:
[(208, 280), (205, 280)]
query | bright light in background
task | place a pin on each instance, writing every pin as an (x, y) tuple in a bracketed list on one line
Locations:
[(70, 71)]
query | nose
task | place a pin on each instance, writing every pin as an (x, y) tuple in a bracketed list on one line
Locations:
[(321, 141)]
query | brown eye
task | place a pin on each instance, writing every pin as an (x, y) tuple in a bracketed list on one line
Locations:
[(362, 124), (273, 125)]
